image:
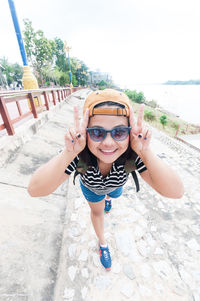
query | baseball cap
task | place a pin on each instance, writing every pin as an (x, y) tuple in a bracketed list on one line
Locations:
[(102, 96)]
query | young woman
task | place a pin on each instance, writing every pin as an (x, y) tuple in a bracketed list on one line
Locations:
[(107, 141)]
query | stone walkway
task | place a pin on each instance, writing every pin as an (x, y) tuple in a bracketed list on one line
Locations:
[(50, 251), (192, 139)]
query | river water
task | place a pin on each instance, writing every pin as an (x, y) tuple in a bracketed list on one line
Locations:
[(182, 100)]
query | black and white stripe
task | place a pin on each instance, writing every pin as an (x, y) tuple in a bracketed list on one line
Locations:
[(140, 165), (93, 179), (72, 166)]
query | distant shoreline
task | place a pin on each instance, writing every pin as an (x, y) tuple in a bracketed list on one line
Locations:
[(178, 82)]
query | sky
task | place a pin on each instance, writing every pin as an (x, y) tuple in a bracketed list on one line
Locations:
[(136, 41)]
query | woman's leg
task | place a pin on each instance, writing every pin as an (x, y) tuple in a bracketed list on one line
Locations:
[(97, 217), (97, 203)]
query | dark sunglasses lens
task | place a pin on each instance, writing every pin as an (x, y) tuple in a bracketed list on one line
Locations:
[(97, 134), (120, 133)]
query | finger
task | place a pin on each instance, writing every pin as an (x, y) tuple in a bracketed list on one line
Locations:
[(132, 121), (147, 139), (131, 118), (76, 120), (84, 123), (149, 134), (68, 142), (133, 135), (145, 131), (73, 134), (140, 117)]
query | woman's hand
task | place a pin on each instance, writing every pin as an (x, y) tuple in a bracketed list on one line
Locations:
[(140, 135), (75, 138)]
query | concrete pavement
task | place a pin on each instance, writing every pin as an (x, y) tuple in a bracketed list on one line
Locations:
[(31, 228), (48, 246)]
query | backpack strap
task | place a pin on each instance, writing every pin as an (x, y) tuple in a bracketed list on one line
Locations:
[(128, 160), (86, 161), (81, 168), (75, 174), (135, 178)]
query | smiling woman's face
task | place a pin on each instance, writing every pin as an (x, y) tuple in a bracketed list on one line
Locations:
[(108, 150)]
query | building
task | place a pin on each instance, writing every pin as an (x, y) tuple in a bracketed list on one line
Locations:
[(97, 76)]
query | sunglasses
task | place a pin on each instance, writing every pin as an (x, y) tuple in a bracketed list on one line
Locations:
[(119, 133)]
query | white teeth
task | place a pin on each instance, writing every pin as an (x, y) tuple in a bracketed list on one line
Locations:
[(108, 151)]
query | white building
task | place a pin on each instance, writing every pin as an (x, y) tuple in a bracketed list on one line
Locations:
[(97, 76)]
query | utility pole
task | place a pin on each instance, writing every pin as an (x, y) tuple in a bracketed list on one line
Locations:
[(29, 80), (67, 49)]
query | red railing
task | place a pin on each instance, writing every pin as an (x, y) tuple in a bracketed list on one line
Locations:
[(18, 105)]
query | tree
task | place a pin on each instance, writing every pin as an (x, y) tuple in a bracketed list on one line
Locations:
[(102, 83), (79, 68), (48, 57), (163, 120), (60, 55), (12, 72), (40, 51), (135, 96), (149, 115), (6, 70), (64, 79)]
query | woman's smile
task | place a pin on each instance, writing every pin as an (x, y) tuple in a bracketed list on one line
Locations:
[(108, 150)]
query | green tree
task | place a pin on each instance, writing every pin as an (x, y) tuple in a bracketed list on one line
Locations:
[(57, 75), (163, 120), (135, 96), (40, 51), (74, 64), (6, 70), (149, 115), (60, 55), (77, 66), (84, 74), (49, 59), (17, 72), (12, 72), (64, 79), (102, 83)]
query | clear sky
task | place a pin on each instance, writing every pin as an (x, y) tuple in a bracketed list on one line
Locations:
[(136, 41)]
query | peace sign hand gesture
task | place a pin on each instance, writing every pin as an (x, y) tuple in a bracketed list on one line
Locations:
[(75, 138), (140, 135)]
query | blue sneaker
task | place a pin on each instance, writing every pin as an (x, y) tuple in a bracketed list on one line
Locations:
[(108, 205), (105, 257)]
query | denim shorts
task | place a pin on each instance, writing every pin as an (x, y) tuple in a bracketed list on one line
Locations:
[(94, 198)]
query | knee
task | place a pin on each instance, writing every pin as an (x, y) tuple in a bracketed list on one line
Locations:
[(97, 211)]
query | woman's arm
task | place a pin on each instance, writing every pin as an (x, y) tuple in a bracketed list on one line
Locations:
[(51, 175), (160, 176)]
